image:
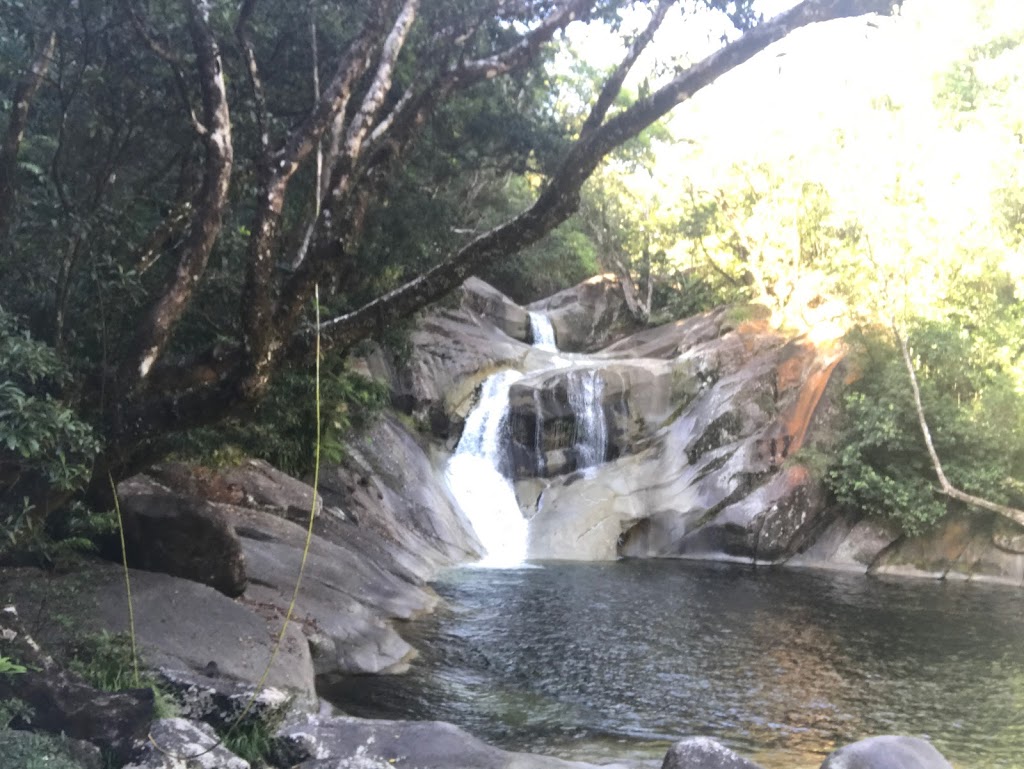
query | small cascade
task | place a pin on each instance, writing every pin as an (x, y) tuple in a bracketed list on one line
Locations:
[(473, 475), (584, 393), (543, 332)]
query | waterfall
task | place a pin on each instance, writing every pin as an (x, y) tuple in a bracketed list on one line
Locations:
[(584, 392), (476, 482), (543, 332)]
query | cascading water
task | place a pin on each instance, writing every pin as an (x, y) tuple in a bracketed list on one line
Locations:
[(543, 332), (584, 392), (476, 482)]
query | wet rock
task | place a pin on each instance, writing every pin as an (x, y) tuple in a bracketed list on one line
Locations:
[(704, 753), (182, 536), (319, 742), (715, 478), (588, 316), (176, 743), (887, 752)]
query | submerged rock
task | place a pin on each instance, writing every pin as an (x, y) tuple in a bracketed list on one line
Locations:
[(704, 753), (887, 752)]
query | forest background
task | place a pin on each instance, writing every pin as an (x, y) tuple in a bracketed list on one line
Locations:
[(177, 177)]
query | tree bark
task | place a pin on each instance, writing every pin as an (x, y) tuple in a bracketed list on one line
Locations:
[(208, 208)]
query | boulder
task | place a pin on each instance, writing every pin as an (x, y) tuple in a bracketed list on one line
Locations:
[(887, 752), (334, 742), (180, 535), (219, 701), (490, 303), (704, 753), (588, 316), (451, 350), (176, 743), (388, 498), (251, 483)]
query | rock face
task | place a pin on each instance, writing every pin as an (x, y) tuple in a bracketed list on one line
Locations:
[(589, 316), (179, 624), (704, 466), (961, 546), (704, 753), (451, 350), (887, 752)]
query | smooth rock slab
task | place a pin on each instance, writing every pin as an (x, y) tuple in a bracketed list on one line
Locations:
[(318, 742), (175, 743), (704, 753), (887, 752)]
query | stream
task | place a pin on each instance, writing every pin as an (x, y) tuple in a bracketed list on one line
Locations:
[(618, 660)]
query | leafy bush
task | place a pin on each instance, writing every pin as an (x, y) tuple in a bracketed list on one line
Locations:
[(44, 446), (283, 428), (974, 411)]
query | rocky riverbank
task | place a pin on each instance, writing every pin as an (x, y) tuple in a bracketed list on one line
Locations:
[(707, 423)]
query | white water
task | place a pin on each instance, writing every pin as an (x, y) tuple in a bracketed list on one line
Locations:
[(543, 332), (584, 392), (476, 482)]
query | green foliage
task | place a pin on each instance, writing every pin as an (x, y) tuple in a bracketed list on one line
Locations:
[(9, 666), (253, 739), (283, 428), (106, 661), (975, 410), (35, 750), (44, 445)]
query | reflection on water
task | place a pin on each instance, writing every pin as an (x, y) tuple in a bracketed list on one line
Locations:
[(593, 661)]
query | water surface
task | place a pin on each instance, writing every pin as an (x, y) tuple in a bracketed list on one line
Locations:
[(600, 661)]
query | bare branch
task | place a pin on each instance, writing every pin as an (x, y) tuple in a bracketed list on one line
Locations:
[(945, 486), (259, 98), (613, 84)]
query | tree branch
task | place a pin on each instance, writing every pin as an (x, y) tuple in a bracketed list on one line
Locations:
[(207, 213), (944, 485), (612, 86), (560, 197)]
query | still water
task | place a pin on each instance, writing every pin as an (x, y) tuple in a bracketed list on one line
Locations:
[(601, 661)]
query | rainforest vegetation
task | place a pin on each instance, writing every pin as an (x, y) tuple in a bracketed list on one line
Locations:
[(178, 177)]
